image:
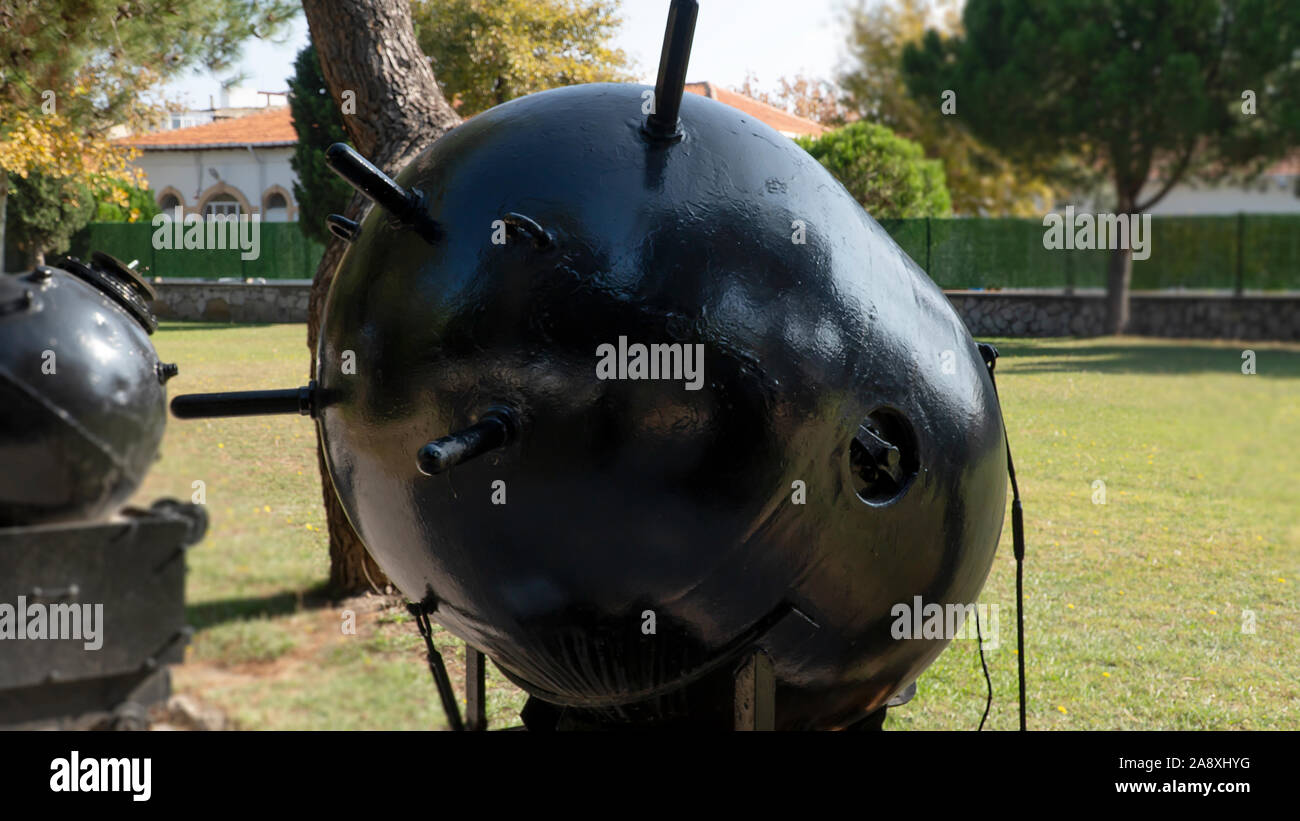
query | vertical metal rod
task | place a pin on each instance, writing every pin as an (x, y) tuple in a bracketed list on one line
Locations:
[(439, 670), (756, 694), (475, 690), (676, 55)]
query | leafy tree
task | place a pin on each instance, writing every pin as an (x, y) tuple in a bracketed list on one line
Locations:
[(48, 146), (139, 205), (118, 48), (485, 52), (887, 174), (318, 190), (47, 211), (1151, 91), (981, 181), (72, 69)]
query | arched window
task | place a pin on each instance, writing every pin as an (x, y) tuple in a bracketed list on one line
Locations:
[(276, 208), (168, 202), (221, 204)]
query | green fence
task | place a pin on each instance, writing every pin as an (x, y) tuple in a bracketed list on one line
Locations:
[(1246, 251), (1249, 251), (283, 252)]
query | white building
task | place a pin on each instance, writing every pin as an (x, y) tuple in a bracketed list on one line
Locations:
[(234, 101), (240, 164), (229, 166), (1276, 191)]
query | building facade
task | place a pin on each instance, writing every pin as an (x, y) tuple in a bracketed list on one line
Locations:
[(239, 163), (1276, 191), (230, 166)]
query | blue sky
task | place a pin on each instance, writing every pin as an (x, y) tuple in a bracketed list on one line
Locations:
[(771, 38)]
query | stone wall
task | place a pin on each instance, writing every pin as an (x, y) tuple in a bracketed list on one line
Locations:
[(1275, 317), (278, 300), (1184, 315), (986, 313)]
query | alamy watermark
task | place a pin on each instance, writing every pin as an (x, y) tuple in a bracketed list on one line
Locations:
[(655, 361), (215, 232), (1089, 232), (39, 620), (77, 774), (916, 620)]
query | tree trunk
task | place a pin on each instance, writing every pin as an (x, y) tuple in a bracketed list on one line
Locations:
[(1119, 273), (1119, 269), (368, 48)]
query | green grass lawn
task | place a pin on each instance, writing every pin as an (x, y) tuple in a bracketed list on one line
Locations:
[(1134, 609)]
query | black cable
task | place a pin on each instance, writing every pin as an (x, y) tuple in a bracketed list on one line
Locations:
[(1018, 546), (1018, 541), (990, 355), (988, 682)]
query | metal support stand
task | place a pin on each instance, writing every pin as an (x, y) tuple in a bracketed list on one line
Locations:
[(475, 690), (49, 685), (440, 678), (755, 693)]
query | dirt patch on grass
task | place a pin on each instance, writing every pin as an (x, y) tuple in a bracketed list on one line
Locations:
[(324, 635)]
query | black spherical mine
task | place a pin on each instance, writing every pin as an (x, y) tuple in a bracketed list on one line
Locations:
[(620, 401), (82, 402)]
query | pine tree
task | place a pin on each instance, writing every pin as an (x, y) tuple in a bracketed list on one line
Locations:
[(1150, 93), (318, 190)]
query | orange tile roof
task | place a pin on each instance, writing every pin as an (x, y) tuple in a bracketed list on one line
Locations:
[(776, 118), (274, 127), (1287, 165), (265, 128)]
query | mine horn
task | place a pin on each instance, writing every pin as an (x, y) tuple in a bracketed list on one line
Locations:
[(496, 429), (676, 54), (246, 403), (361, 174)]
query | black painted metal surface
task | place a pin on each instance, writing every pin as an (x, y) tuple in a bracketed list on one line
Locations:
[(826, 445), (82, 402), (125, 578), (636, 495)]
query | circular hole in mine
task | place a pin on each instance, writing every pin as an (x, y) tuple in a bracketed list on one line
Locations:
[(882, 457)]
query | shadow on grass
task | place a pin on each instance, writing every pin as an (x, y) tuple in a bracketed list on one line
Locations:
[(1271, 360), (287, 602)]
